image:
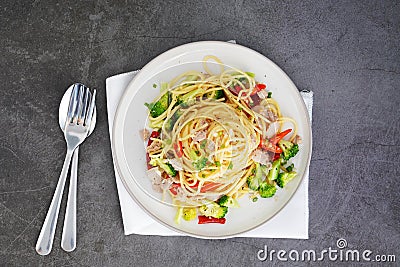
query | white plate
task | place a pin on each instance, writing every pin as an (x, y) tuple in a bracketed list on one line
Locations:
[(128, 148)]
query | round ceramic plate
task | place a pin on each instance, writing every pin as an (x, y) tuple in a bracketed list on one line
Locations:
[(131, 117)]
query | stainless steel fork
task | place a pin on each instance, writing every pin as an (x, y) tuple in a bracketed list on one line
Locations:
[(79, 117)]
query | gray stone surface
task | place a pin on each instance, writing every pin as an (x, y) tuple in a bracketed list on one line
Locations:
[(347, 52)]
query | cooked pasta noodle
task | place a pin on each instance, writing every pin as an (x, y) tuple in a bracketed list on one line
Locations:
[(210, 127)]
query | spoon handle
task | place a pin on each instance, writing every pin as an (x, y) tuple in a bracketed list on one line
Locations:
[(46, 236), (68, 239)]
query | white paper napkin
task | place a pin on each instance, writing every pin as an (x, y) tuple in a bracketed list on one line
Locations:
[(137, 221)]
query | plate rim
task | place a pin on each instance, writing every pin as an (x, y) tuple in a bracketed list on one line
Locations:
[(118, 111)]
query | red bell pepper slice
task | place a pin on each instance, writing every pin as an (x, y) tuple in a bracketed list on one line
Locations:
[(274, 140), (154, 134), (272, 148), (276, 156), (178, 149), (204, 220), (269, 147), (259, 87), (261, 143)]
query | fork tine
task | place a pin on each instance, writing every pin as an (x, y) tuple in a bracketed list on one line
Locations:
[(79, 107), (86, 103), (73, 102), (92, 106)]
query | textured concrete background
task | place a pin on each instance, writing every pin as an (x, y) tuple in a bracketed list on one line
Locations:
[(347, 52)]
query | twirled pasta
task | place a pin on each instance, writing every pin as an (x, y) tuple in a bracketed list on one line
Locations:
[(210, 130)]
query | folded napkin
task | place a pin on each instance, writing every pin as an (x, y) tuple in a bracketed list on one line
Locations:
[(137, 221)]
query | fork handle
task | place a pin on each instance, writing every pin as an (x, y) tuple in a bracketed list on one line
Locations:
[(68, 239), (46, 236)]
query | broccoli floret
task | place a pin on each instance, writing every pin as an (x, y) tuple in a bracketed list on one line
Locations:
[(290, 167), (228, 201), (273, 173), (160, 106), (289, 149), (254, 181), (167, 167), (284, 178), (266, 190), (200, 163), (189, 214), (213, 210)]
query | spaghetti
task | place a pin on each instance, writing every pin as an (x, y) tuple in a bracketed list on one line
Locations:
[(213, 134)]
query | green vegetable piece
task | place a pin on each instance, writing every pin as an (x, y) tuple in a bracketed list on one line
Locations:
[(250, 74), (289, 149), (230, 166), (167, 167), (284, 178), (219, 94), (290, 167), (163, 87), (269, 95), (200, 163), (266, 190), (186, 98), (179, 102), (255, 180), (228, 201), (149, 105), (169, 125), (203, 144), (189, 214), (193, 155), (264, 169), (253, 183), (273, 173), (213, 210), (160, 106), (216, 94)]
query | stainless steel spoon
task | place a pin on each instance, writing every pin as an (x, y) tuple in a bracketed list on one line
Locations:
[(68, 239)]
